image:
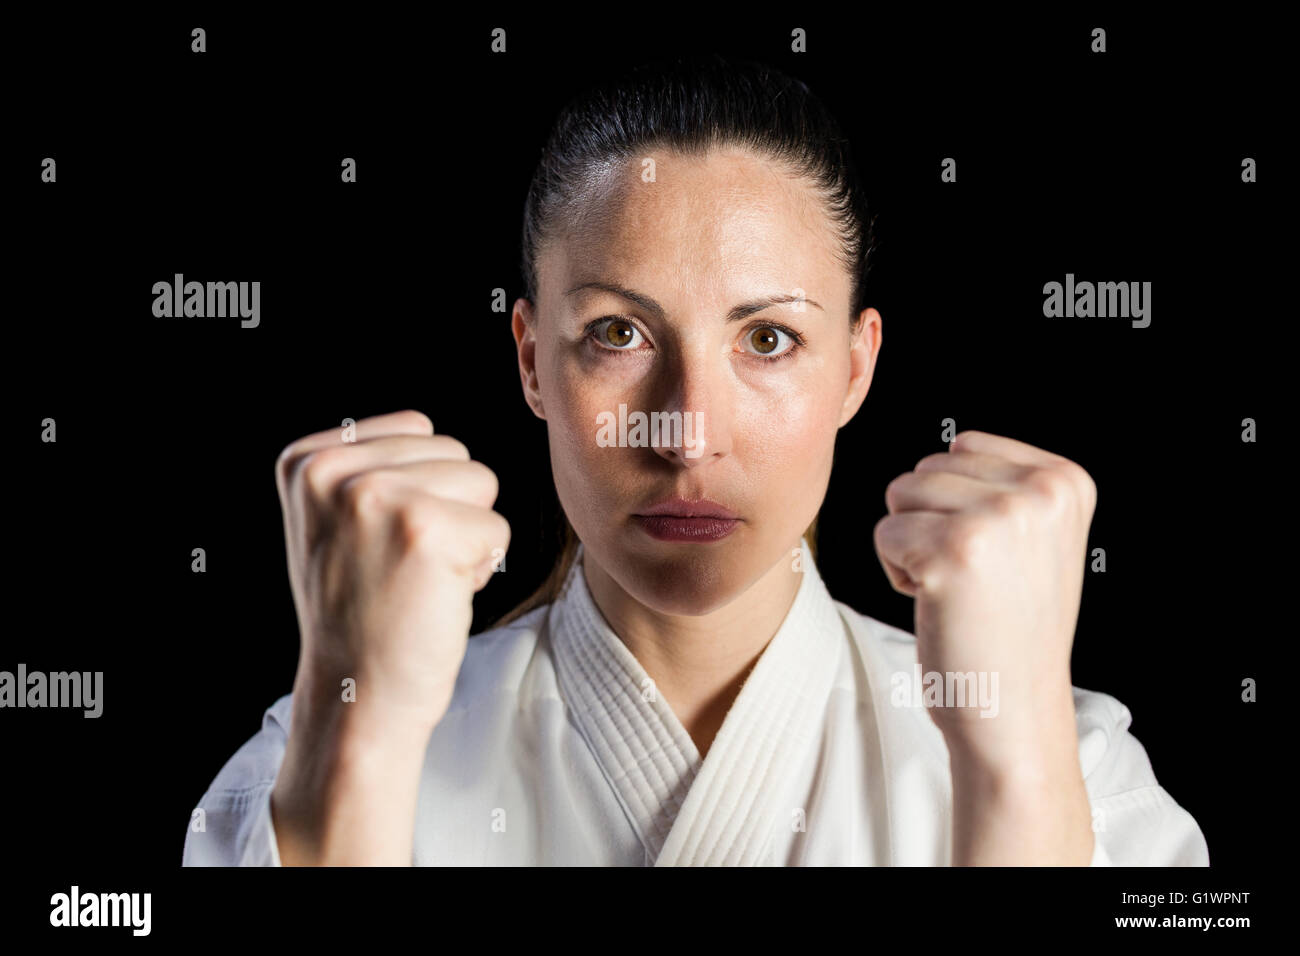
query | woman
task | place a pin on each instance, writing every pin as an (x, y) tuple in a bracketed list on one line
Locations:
[(683, 690)]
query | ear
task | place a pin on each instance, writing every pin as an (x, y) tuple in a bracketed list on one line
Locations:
[(864, 347), (524, 325)]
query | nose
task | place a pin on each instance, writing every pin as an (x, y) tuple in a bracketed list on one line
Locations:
[(696, 409)]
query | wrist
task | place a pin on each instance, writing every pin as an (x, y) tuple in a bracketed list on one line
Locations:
[(1010, 749), (387, 720), (346, 799), (1020, 807), (347, 788)]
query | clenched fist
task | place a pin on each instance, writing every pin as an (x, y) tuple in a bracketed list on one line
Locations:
[(388, 538), (990, 538)]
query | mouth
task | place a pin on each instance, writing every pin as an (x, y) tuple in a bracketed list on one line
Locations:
[(677, 519), (672, 528), (685, 508)]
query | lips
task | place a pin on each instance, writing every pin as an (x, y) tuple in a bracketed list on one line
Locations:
[(680, 519), (684, 508), (670, 528)]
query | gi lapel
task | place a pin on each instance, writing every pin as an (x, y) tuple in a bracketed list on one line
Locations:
[(724, 810), (748, 785), (646, 755)]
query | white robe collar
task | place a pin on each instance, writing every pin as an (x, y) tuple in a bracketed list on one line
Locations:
[(725, 809)]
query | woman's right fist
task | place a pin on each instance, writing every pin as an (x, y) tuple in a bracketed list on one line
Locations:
[(388, 538)]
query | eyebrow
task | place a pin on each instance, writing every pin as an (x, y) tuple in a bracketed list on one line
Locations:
[(744, 310)]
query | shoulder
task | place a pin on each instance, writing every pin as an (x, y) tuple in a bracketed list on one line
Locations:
[(257, 761), (495, 662), (1112, 759)]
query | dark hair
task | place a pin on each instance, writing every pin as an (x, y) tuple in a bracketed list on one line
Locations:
[(691, 105)]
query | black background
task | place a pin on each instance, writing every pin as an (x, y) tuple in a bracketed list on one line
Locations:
[(1124, 166)]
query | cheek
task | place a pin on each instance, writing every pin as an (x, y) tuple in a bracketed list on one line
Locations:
[(787, 426), (574, 398), (790, 443)]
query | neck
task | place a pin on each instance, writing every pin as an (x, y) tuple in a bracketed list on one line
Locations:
[(698, 663)]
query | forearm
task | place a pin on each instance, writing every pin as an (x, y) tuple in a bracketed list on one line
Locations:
[(1031, 812), (346, 793)]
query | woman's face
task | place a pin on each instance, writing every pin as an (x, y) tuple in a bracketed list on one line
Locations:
[(733, 312)]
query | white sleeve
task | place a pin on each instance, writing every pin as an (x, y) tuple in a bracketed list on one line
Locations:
[(235, 827), (1135, 820)]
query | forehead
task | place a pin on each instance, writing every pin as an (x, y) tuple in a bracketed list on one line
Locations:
[(719, 224)]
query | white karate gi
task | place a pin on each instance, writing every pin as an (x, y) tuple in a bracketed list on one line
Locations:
[(555, 750)]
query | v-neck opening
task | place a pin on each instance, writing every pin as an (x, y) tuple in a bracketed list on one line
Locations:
[(691, 810)]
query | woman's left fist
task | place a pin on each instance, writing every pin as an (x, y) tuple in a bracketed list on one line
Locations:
[(990, 538)]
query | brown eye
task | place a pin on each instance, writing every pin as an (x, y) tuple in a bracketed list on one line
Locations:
[(770, 342), (618, 333), (764, 340)]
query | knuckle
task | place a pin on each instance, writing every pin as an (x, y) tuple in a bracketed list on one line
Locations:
[(418, 526), (923, 573), (1083, 482), (418, 418), (963, 542), (503, 527), (1069, 470), (452, 447), (363, 495), (885, 532), (932, 461), (1051, 485), (315, 468), (1006, 504), (285, 461), (894, 490), (488, 478), (878, 531)]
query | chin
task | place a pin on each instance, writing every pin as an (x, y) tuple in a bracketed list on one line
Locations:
[(686, 579)]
